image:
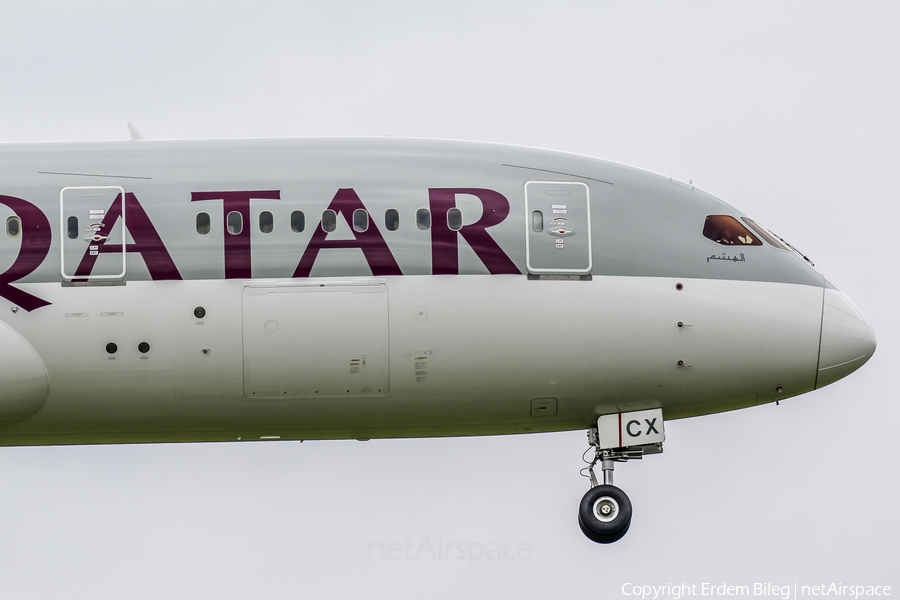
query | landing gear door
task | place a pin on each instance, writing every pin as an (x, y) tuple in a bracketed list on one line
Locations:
[(92, 223), (625, 430), (558, 226)]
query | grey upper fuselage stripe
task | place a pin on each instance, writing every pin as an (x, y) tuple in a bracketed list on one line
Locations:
[(93, 175), (559, 173), (641, 223)]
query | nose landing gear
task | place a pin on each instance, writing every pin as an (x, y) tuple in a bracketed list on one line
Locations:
[(604, 514)]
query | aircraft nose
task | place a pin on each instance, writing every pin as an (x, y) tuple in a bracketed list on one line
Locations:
[(848, 340)]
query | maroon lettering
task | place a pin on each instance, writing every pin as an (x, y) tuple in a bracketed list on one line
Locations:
[(36, 238), (147, 242), (376, 251), (237, 246), (445, 241)]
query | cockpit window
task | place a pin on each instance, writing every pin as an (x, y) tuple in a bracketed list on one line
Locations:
[(767, 235), (728, 231), (774, 239)]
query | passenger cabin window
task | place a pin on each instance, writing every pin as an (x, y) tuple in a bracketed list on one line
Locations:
[(728, 231), (13, 227), (329, 221), (454, 219), (72, 228), (266, 222), (298, 221), (203, 223), (360, 220), (235, 222), (423, 219), (391, 220)]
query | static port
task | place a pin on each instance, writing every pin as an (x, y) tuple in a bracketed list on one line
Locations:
[(111, 348), (199, 312), (143, 347)]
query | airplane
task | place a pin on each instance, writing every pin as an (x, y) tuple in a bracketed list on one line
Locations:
[(359, 288)]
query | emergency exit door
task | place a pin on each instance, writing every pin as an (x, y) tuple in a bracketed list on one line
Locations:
[(92, 223), (558, 222)]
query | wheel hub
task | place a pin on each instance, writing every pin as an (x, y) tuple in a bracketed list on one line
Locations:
[(606, 509)]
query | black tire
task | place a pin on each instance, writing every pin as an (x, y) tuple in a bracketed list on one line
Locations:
[(604, 530), (599, 538)]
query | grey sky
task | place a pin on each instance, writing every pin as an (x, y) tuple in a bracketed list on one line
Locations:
[(788, 110)]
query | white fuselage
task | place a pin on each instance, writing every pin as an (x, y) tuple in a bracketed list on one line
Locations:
[(162, 329)]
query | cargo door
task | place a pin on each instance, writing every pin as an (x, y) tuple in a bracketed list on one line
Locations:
[(315, 339), (92, 222), (558, 223)]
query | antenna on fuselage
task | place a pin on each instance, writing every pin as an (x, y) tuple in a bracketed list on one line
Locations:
[(135, 134)]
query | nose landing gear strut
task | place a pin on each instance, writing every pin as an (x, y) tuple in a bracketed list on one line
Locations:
[(604, 514)]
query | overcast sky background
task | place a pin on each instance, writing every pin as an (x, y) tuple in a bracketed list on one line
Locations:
[(788, 110)]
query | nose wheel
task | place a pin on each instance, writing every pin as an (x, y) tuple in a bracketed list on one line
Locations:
[(604, 513)]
